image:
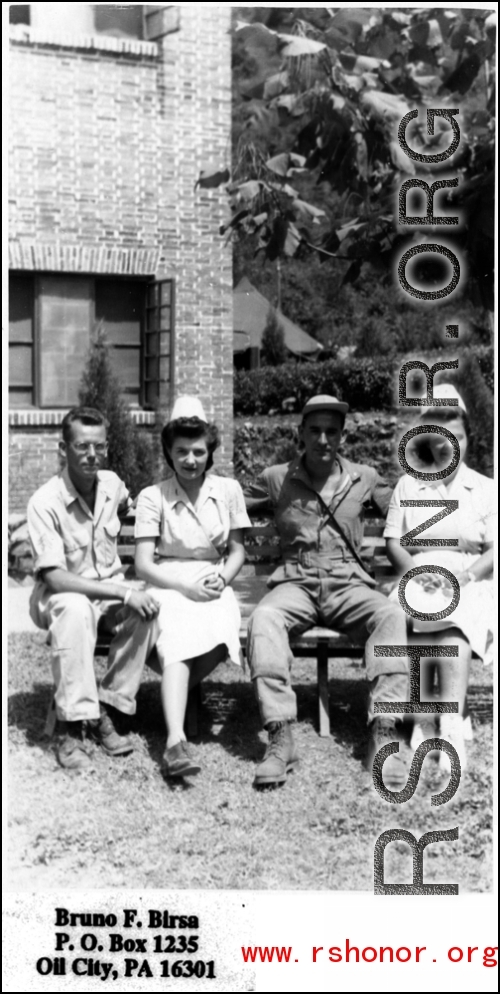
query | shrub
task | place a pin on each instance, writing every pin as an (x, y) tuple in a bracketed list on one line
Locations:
[(131, 452), (478, 398), (363, 383), (273, 348), (485, 359)]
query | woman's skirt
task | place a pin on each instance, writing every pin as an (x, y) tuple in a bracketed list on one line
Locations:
[(474, 613), (189, 628)]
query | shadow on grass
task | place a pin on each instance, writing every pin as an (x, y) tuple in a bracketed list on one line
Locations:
[(229, 715), (27, 711)]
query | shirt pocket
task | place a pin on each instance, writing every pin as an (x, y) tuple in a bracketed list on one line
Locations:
[(111, 532), (297, 519), (75, 549)]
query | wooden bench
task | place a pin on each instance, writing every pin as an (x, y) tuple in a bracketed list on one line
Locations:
[(263, 554)]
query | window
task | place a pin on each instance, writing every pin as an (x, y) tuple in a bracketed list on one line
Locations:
[(19, 13), (51, 320), (140, 21)]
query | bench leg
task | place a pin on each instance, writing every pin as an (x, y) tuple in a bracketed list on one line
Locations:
[(51, 719), (323, 701)]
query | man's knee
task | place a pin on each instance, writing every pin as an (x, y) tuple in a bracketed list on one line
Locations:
[(266, 620), (390, 619), (72, 612), (268, 647)]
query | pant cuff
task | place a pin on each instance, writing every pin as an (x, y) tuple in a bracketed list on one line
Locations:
[(269, 720), (91, 714), (123, 704)]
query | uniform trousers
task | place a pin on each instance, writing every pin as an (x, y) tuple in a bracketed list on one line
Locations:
[(72, 621), (341, 597)]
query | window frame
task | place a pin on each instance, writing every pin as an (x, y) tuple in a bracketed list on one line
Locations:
[(170, 355), (23, 342), (144, 354)]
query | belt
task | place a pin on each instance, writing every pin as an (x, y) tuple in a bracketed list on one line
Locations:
[(322, 560)]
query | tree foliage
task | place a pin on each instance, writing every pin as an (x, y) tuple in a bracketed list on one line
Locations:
[(130, 453), (273, 349), (322, 92)]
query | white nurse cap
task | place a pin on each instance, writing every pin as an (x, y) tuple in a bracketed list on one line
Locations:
[(188, 407), (446, 391)]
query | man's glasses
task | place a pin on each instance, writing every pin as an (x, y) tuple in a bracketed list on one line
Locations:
[(83, 447)]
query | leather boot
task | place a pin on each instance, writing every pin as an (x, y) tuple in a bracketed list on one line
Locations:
[(394, 771), (104, 732), (280, 757), (71, 752)]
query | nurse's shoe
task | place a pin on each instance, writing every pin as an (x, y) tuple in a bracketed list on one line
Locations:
[(178, 761)]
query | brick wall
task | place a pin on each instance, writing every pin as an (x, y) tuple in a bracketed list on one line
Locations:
[(33, 459), (200, 89), (107, 141), (33, 452)]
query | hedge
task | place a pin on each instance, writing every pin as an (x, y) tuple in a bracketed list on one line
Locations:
[(366, 384)]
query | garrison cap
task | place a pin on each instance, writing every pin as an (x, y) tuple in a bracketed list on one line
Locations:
[(324, 403)]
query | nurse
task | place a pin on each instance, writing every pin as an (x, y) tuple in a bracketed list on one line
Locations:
[(189, 548), (471, 561)]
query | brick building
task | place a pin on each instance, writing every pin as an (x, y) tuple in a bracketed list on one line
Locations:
[(114, 112)]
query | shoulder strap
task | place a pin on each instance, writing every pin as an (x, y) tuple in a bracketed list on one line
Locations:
[(338, 527), (336, 524)]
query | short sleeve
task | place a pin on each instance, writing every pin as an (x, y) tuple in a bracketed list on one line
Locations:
[(148, 513), (238, 517), (257, 496), (125, 502), (46, 539), (490, 512), (381, 494), (395, 515), (491, 527)]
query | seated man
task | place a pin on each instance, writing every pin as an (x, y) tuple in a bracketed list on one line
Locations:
[(73, 522), (318, 502)]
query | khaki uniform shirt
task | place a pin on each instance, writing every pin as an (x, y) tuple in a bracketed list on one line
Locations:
[(64, 533), (307, 533)]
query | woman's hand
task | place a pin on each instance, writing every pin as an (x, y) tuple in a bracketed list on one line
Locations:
[(463, 578), (215, 582), (199, 590), (431, 582)]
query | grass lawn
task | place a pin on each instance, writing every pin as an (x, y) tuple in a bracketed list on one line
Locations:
[(123, 825)]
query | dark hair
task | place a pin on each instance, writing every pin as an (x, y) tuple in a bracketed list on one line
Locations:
[(190, 428), (86, 415), (438, 415)]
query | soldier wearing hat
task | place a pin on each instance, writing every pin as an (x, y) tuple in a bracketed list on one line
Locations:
[(319, 501)]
